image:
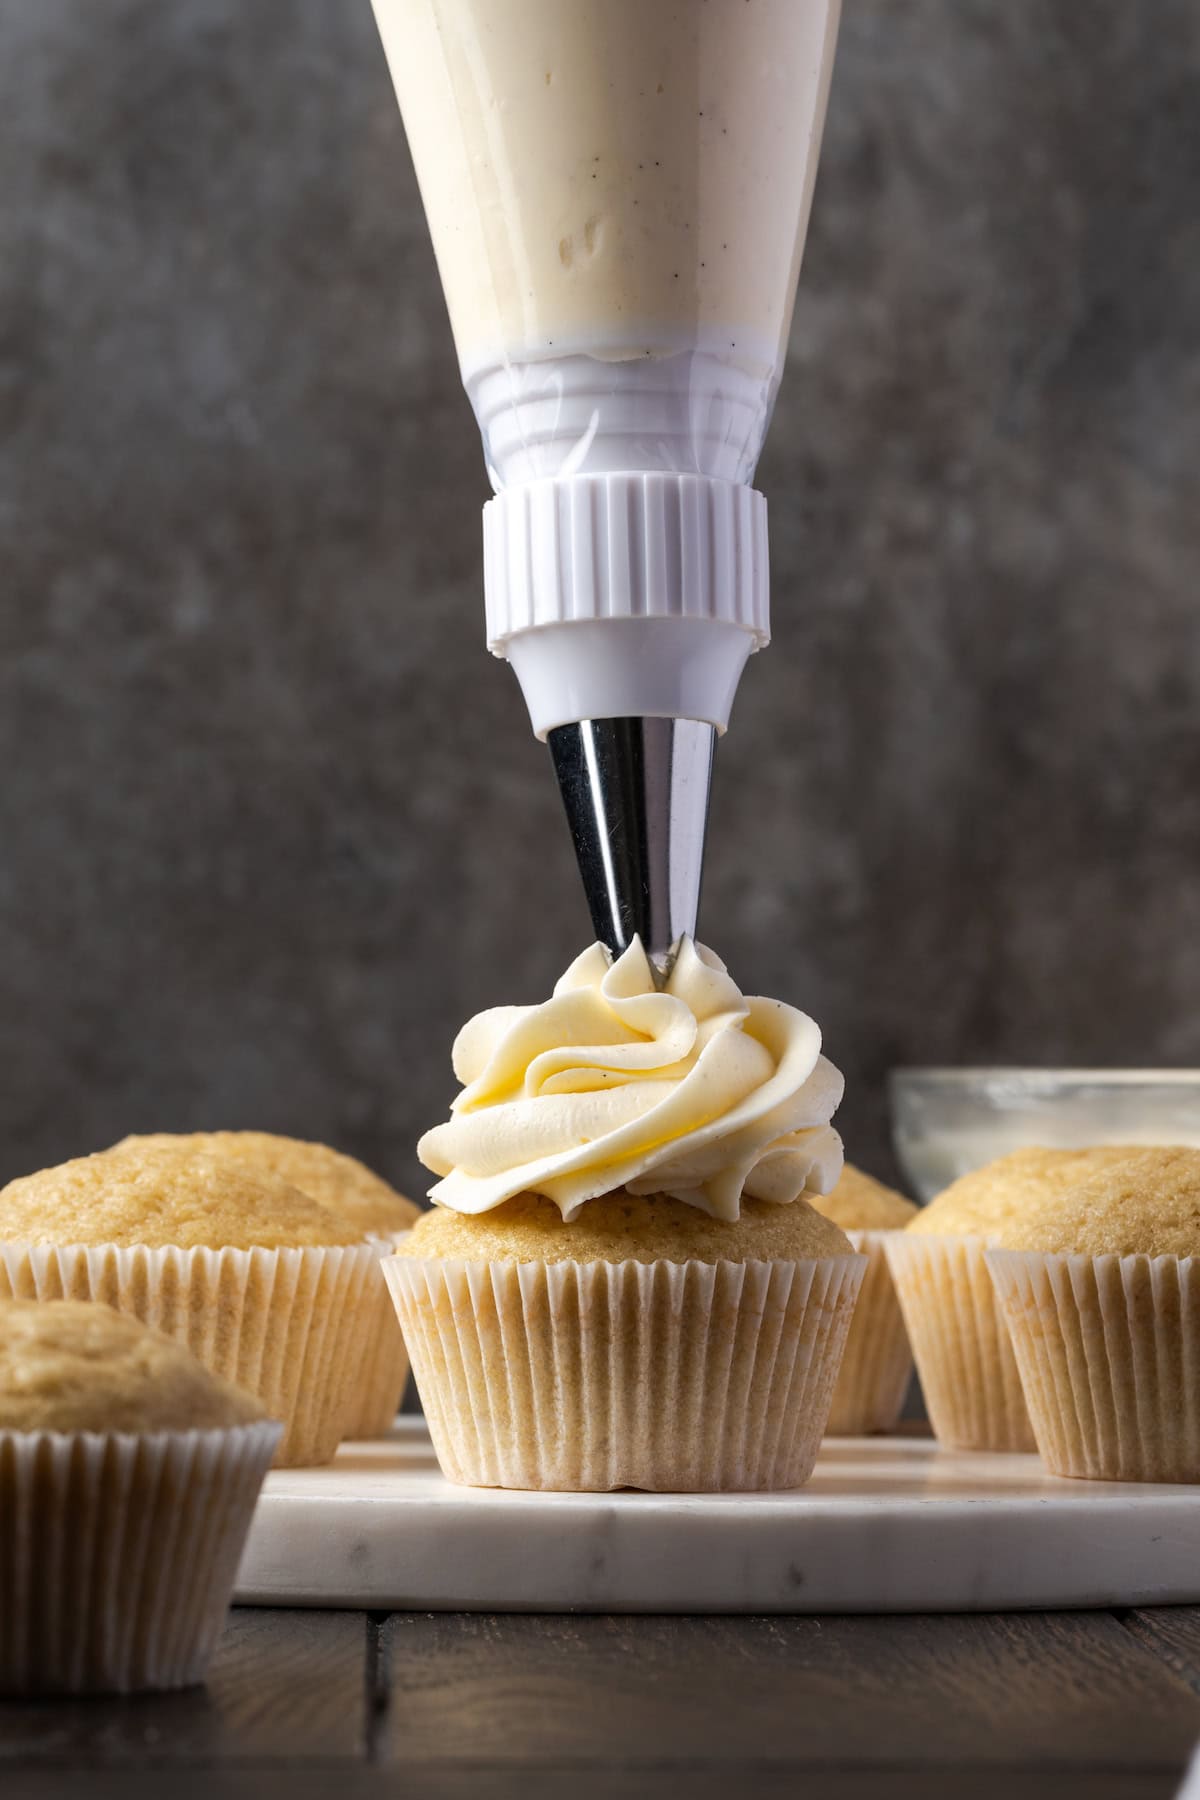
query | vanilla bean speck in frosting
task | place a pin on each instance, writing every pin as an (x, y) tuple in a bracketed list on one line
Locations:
[(695, 1091)]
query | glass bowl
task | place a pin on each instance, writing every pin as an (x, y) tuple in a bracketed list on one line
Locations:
[(947, 1121)]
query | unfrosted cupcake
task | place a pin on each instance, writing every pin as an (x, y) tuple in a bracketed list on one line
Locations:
[(128, 1478), (354, 1192), (268, 1288), (964, 1359), (1100, 1287), (877, 1366), (621, 1284)]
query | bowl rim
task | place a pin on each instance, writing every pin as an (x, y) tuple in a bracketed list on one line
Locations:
[(961, 1074)]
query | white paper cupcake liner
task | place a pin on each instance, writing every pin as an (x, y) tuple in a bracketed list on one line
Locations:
[(960, 1341), (377, 1391), (1109, 1353), (877, 1367), (676, 1377), (118, 1553), (289, 1326)]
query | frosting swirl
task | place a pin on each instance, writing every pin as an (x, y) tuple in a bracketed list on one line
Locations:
[(695, 1090)]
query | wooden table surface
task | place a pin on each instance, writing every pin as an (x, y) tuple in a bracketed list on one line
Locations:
[(1086, 1706)]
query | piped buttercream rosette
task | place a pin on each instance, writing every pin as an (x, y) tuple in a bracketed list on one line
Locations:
[(693, 1090)]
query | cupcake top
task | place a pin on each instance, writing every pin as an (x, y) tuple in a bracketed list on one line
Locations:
[(338, 1181), (860, 1203), (1147, 1203), (985, 1202), (157, 1196), (694, 1090), (74, 1365), (625, 1227)]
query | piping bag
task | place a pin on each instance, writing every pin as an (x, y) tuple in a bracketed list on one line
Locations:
[(618, 193)]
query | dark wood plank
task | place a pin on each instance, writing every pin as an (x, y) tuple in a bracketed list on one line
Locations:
[(951, 1782), (1057, 1707), (283, 1685), (1015, 1689), (1172, 1633)]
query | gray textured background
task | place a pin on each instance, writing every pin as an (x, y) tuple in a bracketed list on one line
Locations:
[(272, 823)]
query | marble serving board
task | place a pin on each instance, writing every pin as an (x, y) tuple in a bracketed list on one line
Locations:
[(885, 1525)]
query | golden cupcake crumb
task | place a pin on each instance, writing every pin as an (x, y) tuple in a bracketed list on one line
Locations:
[(983, 1203), (336, 1180), (1147, 1203), (860, 1203), (151, 1195), (70, 1365), (623, 1227)]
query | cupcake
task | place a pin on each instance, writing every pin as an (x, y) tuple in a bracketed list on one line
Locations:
[(268, 1288), (351, 1190), (621, 1284), (1100, 1287), (964, 1358), (128, 1477), (877, 1366)]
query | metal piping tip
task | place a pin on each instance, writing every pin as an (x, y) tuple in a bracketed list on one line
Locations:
[(636, 796)]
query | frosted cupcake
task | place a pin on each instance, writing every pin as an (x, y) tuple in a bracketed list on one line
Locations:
[(354, 1192), (621, 1283), (128, 1478), (1100, 1287), (964, 1359), (877, 1366), (269, 1289)]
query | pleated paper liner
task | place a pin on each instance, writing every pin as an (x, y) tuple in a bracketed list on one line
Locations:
[(118, 1554), (1109, 1353), (289, 1326), (377, 1392), (877, 1366), (676, 1377), (960, 1341)]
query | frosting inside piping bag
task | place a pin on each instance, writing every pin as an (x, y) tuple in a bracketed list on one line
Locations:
[(696, 1091)]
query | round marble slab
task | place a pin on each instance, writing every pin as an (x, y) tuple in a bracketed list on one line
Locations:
[(885, 1525)]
